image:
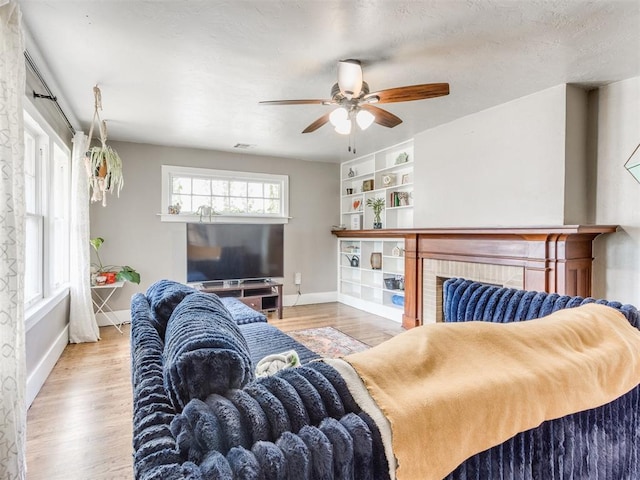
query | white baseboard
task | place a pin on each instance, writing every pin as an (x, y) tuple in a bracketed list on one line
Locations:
[(45, 366), (309, 298), (385, 311), (117, 316)]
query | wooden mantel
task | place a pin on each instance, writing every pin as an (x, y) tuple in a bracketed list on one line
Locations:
[(554, 259)]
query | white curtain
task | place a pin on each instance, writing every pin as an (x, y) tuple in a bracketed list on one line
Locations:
[(82, 321), (12, 243)]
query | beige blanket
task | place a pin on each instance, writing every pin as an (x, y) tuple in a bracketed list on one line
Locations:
[(450, 391)]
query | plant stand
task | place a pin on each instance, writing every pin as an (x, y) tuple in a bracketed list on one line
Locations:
[(101, 302)]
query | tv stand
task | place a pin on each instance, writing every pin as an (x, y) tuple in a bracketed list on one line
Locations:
[(263, 296)]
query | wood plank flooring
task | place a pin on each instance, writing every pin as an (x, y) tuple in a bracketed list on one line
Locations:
[(79, 425)]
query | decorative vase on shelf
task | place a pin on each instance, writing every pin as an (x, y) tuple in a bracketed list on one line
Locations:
[(376, 260), (376, 204)]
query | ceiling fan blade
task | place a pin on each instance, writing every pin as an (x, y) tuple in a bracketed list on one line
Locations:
[(413, 92), (382, 117), (297, 102), (317, 124)]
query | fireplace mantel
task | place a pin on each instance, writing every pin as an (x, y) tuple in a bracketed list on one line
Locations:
[(553, 259)]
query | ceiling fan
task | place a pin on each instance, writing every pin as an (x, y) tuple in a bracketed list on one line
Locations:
[(356, 103)]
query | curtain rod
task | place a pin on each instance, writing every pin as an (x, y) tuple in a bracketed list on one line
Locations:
[(49, 95)]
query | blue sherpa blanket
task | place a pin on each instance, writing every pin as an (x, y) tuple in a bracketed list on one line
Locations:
[(204, 351)]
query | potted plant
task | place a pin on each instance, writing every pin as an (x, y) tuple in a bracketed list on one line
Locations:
[(110, 273), (376, 204)]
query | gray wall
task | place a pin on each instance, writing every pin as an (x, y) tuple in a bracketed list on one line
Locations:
[(577, 166), (135, 236)]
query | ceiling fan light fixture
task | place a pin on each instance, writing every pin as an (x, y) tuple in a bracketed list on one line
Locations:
[(350, 78), (344, 128), (338, 116), (364, 119)]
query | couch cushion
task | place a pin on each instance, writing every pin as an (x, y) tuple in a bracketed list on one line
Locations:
[(242, 313), (204, 351)]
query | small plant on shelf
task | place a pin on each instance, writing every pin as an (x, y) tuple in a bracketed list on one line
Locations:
[(104, 274), (376, 204)]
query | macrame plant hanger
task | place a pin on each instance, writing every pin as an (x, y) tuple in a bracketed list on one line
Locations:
[(103, 164)]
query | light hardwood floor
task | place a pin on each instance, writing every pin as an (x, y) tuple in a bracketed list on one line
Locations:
[(79, 425)]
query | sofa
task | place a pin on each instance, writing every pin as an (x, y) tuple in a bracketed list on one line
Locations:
[(199, 412)]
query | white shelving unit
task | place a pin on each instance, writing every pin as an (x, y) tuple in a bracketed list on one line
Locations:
[(379, 291), (385, 174)]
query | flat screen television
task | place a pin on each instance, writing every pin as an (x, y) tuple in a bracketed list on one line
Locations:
[(234, 251)]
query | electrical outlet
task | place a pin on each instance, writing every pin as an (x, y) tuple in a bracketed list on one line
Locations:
[(297, 278)]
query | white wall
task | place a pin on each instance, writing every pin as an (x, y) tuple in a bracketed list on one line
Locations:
[(135, 236), (617, 256), (504, 166), (552, 158)]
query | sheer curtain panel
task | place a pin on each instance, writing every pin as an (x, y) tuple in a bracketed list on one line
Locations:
[(82, 321), (12, 245)]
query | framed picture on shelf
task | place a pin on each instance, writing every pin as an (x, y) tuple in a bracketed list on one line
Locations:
[(355, 222), (405, 178), (367, 185), (388, 180)]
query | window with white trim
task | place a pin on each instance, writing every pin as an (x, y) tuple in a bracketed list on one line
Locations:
[(47, 162), (190, 193)]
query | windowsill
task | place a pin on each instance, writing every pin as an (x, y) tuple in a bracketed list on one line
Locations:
[(41, 309), (187, 218)]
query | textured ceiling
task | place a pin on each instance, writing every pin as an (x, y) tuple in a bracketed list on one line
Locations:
[(191, 73)]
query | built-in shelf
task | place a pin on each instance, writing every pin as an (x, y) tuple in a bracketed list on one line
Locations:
[(379, 291), (383, 174)]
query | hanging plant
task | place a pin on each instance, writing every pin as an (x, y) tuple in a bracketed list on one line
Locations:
[(103, 164), (105, 172)]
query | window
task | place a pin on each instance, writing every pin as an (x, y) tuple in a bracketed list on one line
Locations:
[(47, 193), (223, 195), (59, 217), (33, 222)]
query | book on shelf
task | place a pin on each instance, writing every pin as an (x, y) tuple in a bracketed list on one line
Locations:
[(398, 199)]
